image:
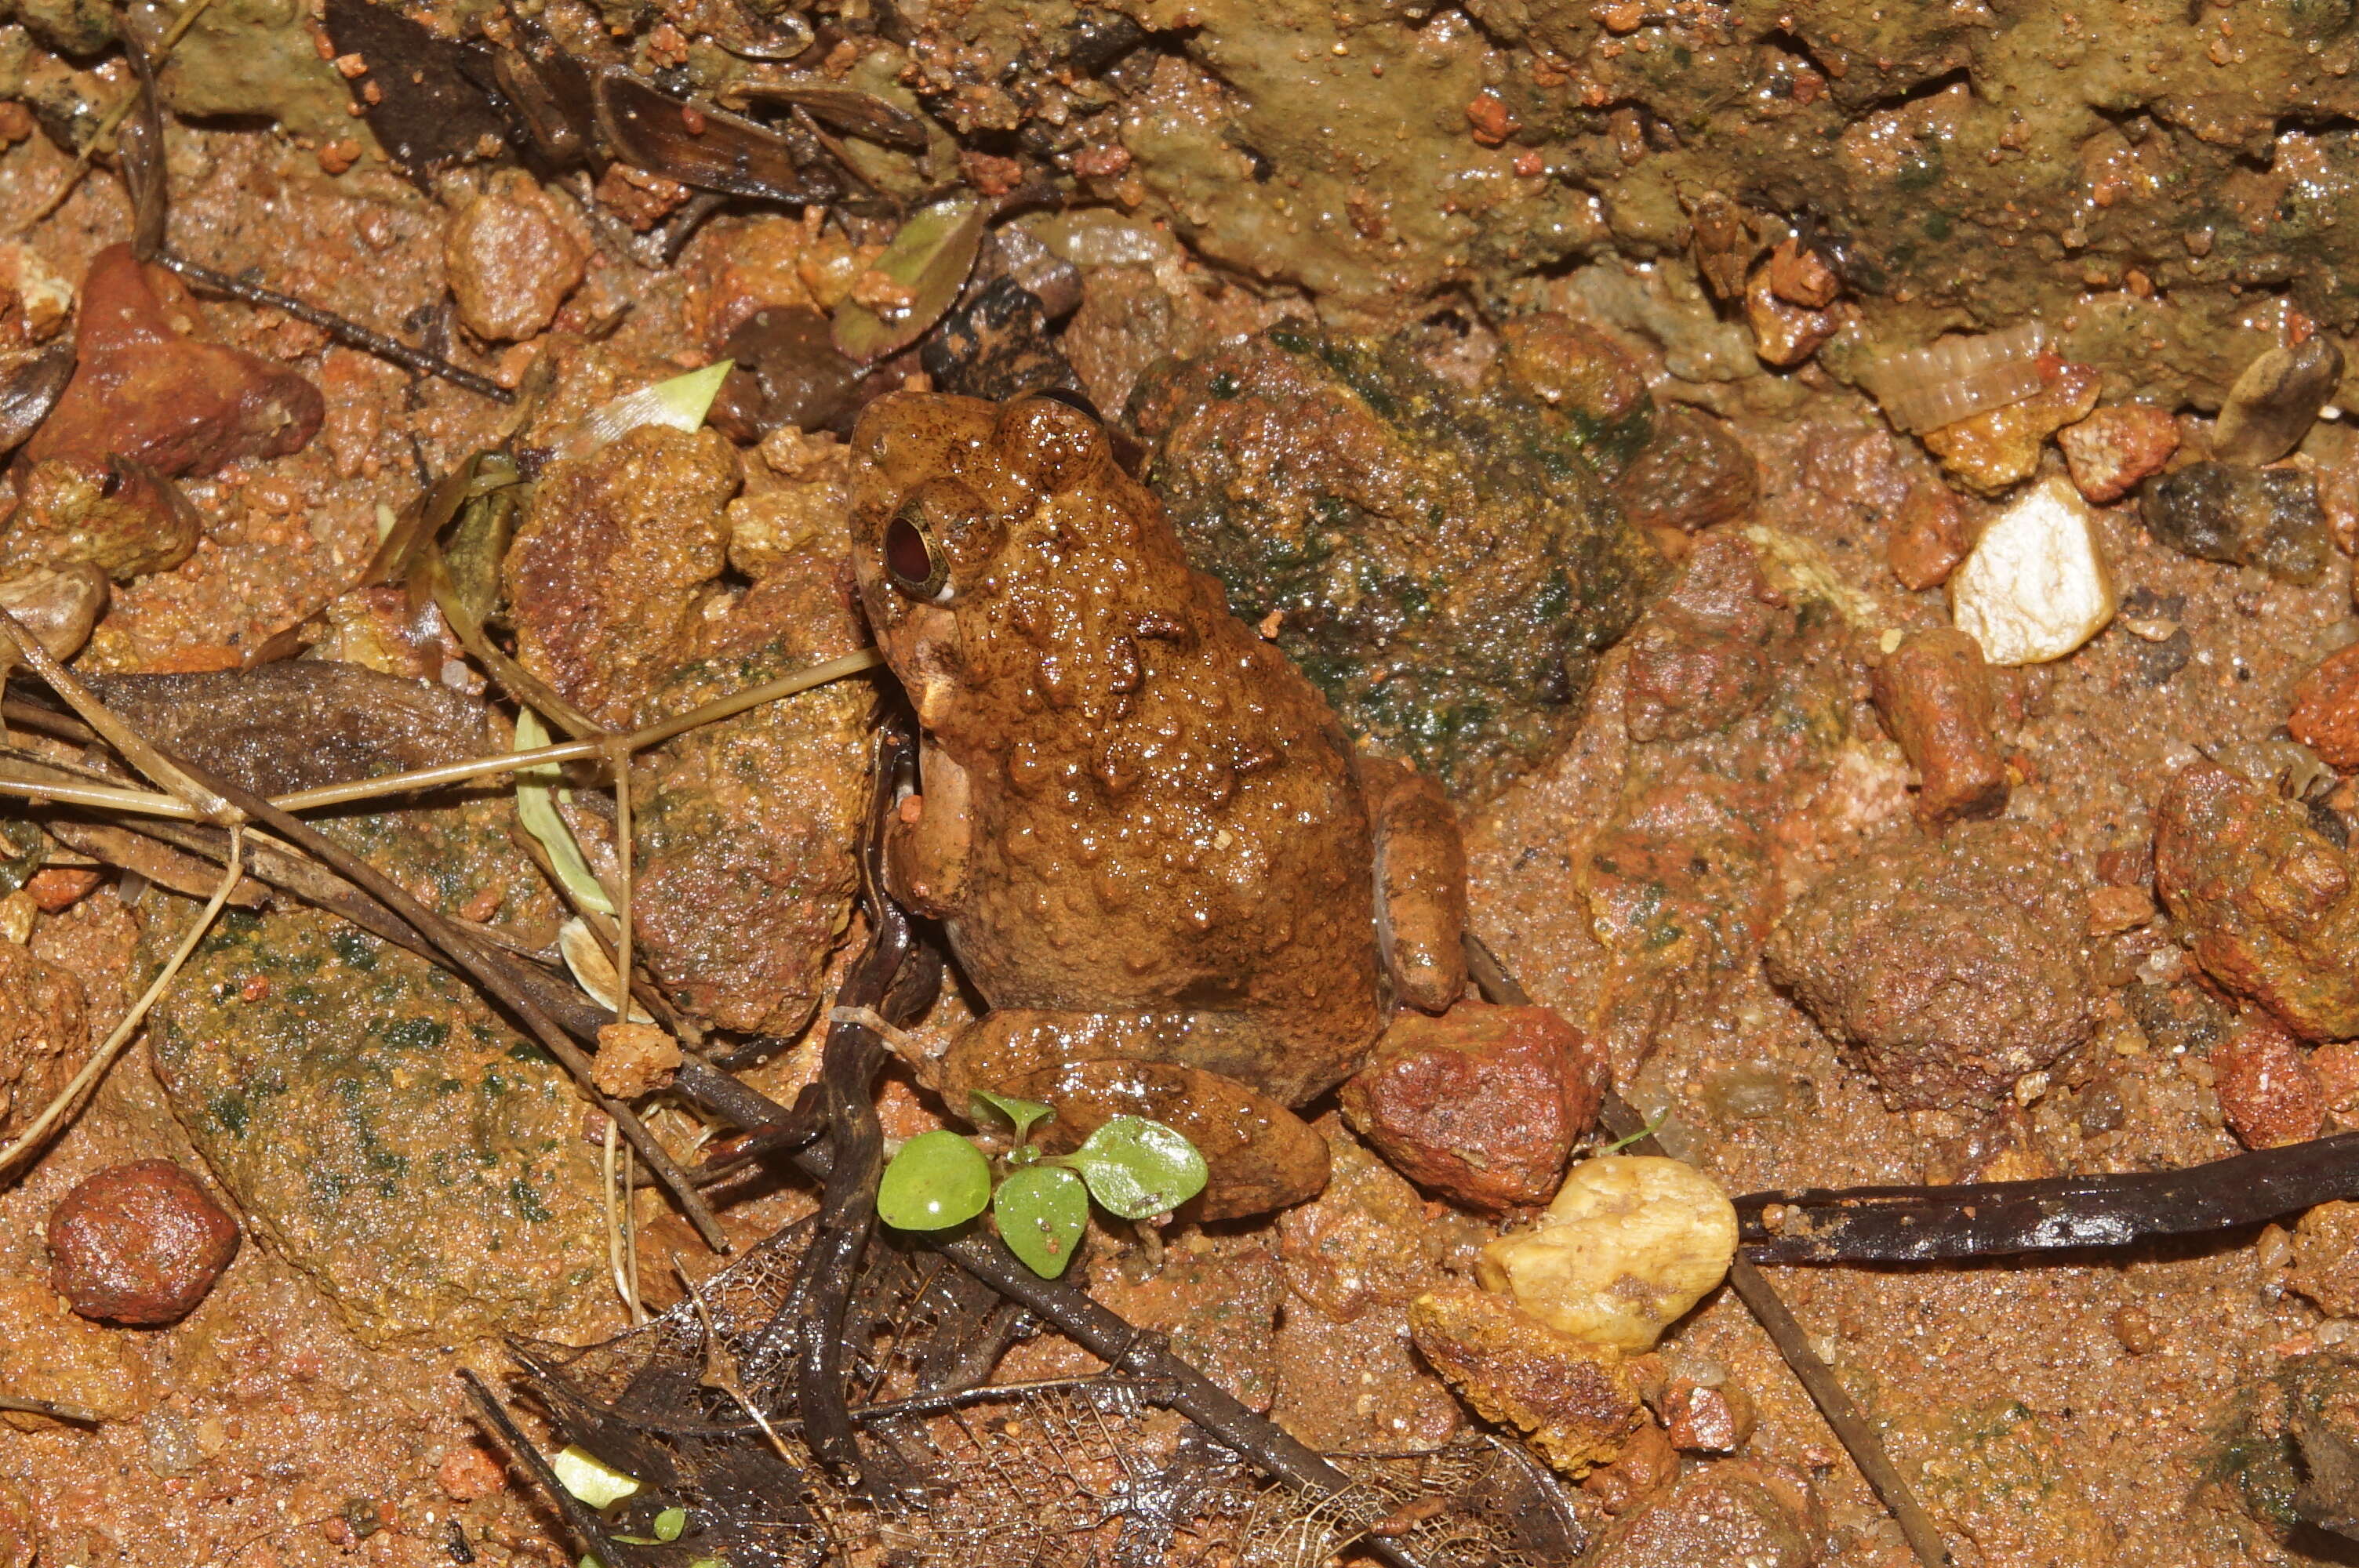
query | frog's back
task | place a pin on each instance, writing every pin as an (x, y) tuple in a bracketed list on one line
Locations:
[(1164, 811)]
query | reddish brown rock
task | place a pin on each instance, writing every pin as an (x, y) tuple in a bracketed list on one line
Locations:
[(151, 384), (1799, 275), (1951, 967), (2325, 716), (44, 1035), (1691, 474), (633, 1059), (1784, 334), (638, 198), (139, 1243), (2267, 1092), (61, 888), (1577, 1403), (125, 519), (1928, 538), (1707, 1419), (1643, 1471), (511, 259), (1698, 664), (2266, 900), (467, 1472), (1572, 366), (1482, 1105), (2112, 449), (2326, 1259), (1738, 1512), (2336, 1066), (2112, 909), (1934, 694)]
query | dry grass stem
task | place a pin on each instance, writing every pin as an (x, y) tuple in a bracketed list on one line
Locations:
[(133, 746), (575, 751)]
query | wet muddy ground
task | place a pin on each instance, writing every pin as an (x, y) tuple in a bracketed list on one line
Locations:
[(1462, 345)]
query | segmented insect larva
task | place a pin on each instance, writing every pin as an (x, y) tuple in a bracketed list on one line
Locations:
[(1957, 378)]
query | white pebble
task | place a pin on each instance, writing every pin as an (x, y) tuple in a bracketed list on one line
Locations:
[(2036, 586)]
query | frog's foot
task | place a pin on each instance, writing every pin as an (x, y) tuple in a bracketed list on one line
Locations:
[(1258, 1155)]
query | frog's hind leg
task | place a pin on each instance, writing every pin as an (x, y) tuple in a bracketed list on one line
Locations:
[(1420, 866)]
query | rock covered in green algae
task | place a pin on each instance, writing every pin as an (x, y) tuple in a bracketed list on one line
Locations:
[(1443, 563), (383, 1131)]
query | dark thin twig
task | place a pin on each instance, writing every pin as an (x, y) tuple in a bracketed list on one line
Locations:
[(73, 1414), (1768, 1308), (849, 1064), (351, 334), (578, 1515), (1981, 1220)]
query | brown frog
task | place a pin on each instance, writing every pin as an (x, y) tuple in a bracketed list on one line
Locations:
[(1153, 849)]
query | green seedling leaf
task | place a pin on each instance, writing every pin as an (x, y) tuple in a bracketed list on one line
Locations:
[(1042, 1211), (1135, 1167), (537, 809), (591, 1478), (669, 1523), (1024, 1113), (930, 256), (937, 1180)]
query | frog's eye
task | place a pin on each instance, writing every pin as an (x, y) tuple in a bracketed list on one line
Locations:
[(912, 559)]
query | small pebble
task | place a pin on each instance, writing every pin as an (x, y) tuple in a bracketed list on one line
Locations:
[(2133, 1327), (1929, 536), (2268, 518), (2036, 586), (2118, 909), (2276, 401), (2267, 1092), (1701, 1420), (2111, 450), (1799, 275), (138, 1244), (1783, 334), (1933, 693), (1482, 1105), (2325, 716), (2000, 448), (632, 1059), (1628, 1245), (511, 260)]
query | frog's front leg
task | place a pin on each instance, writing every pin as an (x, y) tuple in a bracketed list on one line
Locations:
[(1421, 869), (929, 842)]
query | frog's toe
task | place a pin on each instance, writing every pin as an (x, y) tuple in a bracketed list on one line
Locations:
[(1258, 1155)]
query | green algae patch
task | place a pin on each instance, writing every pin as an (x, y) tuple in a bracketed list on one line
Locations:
[(384, 1132), (1443, 562)]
